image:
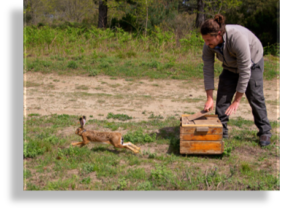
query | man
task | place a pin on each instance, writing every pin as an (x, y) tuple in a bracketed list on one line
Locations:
[(242, 55)]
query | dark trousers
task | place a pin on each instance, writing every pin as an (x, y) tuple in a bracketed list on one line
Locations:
[(254, 93)]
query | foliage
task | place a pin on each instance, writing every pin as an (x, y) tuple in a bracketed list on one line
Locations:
[(32, 149), (93, 72), (72, 65), (255, 15), (139, 137), (40, 144), (220, 6), (143, 186), (88, 168), (121, 117), (161, 175), (63, 167), (143, 17), (273, 49)]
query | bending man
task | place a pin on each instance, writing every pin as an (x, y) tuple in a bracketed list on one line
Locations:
[(241, 53)]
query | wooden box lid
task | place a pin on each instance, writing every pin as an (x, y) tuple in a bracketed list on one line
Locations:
[(205, 121)]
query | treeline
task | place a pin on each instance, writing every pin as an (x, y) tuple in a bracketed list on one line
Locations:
[(140, 17)]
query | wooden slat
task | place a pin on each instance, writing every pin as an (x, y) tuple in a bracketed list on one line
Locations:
[(202, 130), (211, 116), (207, 122), (185, 121), (205, 116), (204, 147), (209, 125), (192, 130), (193, 137), (197, 115)]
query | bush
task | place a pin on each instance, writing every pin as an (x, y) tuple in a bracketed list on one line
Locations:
[(161, 175), (33, 149), (139, 137), (72, 65), (93, 72), (88, 168), (144, 186), (121, 117)]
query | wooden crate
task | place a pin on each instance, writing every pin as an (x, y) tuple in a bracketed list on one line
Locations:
[(201, 136)]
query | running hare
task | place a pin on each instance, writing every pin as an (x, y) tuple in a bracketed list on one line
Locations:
[(115, 139)]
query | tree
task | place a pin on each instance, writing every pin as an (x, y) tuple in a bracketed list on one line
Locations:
[(261, 17), (208, 8), (219, 6), (44, 11), (102, 22), (200, 13)]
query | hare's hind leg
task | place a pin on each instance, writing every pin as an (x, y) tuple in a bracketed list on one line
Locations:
[(131, 145), (119, 145), (78, 143)]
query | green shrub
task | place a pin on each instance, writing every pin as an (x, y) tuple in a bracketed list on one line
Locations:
[(31, 186), (88, 167), (139, 137), (227, 151), (161, 175), (32, 149), (152, 116), (72, 65), (93, 72), (27, 174), (33, 115), (86, 180), (245, 167), (121, 117), (144, 186)]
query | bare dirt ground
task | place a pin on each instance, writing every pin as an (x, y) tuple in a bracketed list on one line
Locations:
[(95, 97), (47, 94)]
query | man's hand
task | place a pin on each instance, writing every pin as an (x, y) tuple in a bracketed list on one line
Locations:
[(234, 106), (209, 105)]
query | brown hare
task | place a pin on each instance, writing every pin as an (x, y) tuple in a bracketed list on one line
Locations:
[(115, 139)]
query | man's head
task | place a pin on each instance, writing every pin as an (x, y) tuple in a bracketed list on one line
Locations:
[(212, 31)]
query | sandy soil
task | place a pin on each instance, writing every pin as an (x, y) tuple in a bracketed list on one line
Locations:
[(47, 94), (95, 97)]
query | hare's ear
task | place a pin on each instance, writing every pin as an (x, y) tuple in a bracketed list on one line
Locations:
[(84, 120), (81, 121)]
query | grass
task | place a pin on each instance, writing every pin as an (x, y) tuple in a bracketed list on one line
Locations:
[(50, 162), (102, 53), (122, 117)]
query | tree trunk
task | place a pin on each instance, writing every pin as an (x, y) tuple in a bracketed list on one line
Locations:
[(102, 13), (200, 13)]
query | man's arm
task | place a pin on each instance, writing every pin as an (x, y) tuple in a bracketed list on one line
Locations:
[(209, 105), (208, 58)]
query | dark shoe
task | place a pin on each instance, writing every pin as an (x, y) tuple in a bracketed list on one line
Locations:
[(264, 140), (225, 136)]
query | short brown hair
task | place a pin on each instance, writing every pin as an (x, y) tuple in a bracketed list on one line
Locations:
[(213, 26)]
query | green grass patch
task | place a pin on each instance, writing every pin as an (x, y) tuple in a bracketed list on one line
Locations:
[(51, 163), (139, 136), (122, 117)]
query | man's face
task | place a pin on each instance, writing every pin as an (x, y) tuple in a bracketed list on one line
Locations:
[(212, 41)]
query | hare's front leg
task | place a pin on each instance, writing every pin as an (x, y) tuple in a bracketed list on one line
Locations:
[(82, 143)]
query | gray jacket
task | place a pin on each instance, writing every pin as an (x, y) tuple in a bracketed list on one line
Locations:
[(241, 49)]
